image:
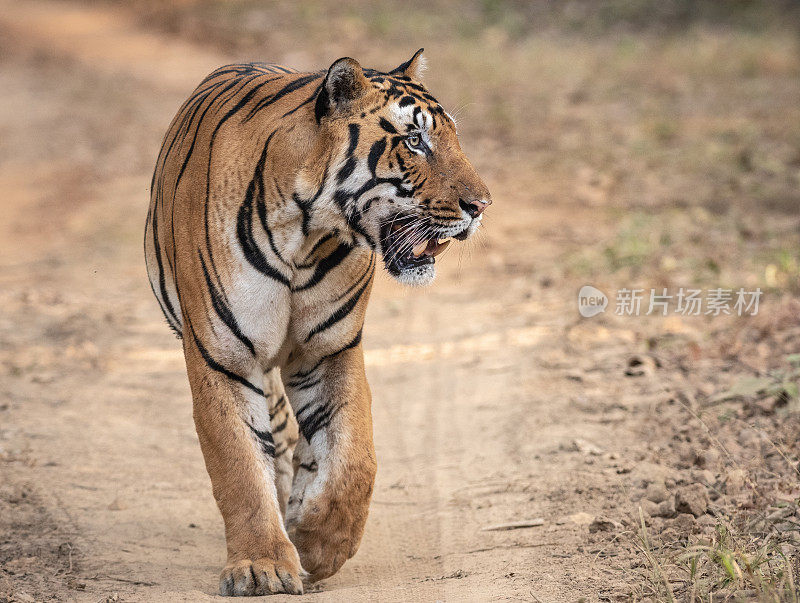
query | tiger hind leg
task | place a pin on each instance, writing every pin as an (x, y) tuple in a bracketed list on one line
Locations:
[(285, 433)]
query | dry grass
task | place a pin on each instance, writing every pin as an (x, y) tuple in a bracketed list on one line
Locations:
[(745, 557), (748, 546)]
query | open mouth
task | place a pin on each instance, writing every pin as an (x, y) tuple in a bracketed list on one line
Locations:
[(403, 249)]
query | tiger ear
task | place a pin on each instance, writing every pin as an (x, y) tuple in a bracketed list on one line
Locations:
[(413, 67), (344, 83)]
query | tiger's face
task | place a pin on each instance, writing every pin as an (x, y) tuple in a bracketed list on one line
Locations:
[(403, 183)]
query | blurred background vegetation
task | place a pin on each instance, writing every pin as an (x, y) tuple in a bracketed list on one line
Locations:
[(676, 123)]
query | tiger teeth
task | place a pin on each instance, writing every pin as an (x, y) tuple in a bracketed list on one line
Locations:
[(440, 247), (444, 240), (419, 249)]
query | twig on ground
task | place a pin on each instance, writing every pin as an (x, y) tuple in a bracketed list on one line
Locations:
[(515, 525)]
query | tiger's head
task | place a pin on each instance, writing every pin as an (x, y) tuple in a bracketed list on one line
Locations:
[(399, 177)]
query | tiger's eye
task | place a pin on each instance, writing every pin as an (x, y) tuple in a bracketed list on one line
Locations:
[(413, 140)]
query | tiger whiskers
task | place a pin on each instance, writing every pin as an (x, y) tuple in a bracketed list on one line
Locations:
[(413, 234)]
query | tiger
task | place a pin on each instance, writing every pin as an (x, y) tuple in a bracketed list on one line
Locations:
[(276, 196)]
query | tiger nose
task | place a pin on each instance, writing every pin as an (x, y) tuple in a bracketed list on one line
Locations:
[(474, 207)]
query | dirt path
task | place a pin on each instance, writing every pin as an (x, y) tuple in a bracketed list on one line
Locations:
[(477, 393)]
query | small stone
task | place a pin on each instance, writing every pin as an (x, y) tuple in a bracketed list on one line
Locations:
[(117, 505), (603, 524), (645, 473), (656, 492), (581, 518), (686, 454), (649, 508), (750, 438), (707, 521), (692, 499), (704, 476), (585, 447), (638, 366), (707, 458), (684, 523), (666, 508), (734, 481)]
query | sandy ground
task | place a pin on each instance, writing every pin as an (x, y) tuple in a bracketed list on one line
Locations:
[(481, 384)]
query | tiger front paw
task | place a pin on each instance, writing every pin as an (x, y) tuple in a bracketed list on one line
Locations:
[(253, 577), (326, 528)]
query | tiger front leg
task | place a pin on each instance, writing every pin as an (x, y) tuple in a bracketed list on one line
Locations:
[(334, 462), (233, 426)]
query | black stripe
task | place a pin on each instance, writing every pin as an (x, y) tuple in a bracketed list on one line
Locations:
[(262, 212), (166, 305), (183, 119), (326, 265), (354, 130), (197, 131), (417, 113), (180, 127), (306, 384), (216, 366), (346, 170), (341, 197), (178, 334), (221, 308), (305, 205), (252, 253), (244, 225), (239, 105), (305, 374), (280, 403), (305, 210), (340, 314), (309, 100), (300, 376), (386, 125), (369, 270), (287, 89), (319, 419), (265, 439), (324, 239), (282, 426), (375, 153), (181, 131)]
